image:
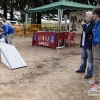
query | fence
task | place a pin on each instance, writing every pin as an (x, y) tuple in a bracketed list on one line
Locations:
[(31, 28)]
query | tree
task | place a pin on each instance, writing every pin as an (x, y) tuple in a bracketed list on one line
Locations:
[(4, 7), (20, 5)]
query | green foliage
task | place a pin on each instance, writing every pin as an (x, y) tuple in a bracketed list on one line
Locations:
[(20, 5)]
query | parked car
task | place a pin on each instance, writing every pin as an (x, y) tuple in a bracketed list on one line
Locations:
[(14, 23)]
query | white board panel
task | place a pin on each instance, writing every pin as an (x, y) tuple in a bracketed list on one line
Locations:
[(11, 56), (75, 19), (4, 60)]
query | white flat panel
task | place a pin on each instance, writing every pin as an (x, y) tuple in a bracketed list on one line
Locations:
[(12, 56), (4, 60)]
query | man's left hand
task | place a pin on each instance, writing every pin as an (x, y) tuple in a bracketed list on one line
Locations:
[(97, 46)]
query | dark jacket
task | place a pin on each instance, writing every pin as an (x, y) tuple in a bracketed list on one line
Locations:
[(88, 35)]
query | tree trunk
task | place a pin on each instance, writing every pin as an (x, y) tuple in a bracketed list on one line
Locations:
[(5, 10), (33, 17), (38, 18), (11, 14)]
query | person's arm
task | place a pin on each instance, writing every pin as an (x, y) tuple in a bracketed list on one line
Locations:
[(5, 30), (99, 44), (98, 32), (88, 30), (9, 23)]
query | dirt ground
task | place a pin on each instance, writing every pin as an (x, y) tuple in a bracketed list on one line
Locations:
[(48, 76)]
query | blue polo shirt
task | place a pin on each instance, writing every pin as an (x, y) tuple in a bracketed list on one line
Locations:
[(96, 33), (7, 29)]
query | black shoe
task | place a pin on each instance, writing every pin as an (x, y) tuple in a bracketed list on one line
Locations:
[(87, 77), (78, 71)]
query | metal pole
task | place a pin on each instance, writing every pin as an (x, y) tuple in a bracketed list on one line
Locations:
[(25, 26), (58, 27), (66, 22), (60, 13)]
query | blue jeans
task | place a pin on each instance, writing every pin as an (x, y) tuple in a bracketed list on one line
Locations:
[(86, 54)]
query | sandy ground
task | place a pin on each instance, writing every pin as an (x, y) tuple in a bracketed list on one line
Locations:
[(48, 76)]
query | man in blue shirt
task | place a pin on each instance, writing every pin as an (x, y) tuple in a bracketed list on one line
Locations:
[(96, 50), (8, 32)]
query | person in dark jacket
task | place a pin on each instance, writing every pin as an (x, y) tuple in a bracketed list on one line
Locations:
[(8, 32), (86, 44)]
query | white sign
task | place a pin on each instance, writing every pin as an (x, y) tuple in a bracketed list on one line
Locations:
[(44, 43), (75, 20)]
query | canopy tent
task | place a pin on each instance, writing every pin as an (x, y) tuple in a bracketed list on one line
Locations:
[(60, 6), (64, 4)]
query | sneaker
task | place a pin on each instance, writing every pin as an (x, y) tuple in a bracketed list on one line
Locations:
[(92, 82), (79, 71), (95, 87), (87, 77)]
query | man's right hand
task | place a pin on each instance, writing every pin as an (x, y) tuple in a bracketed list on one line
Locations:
[(82, 23), (97, 46)]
